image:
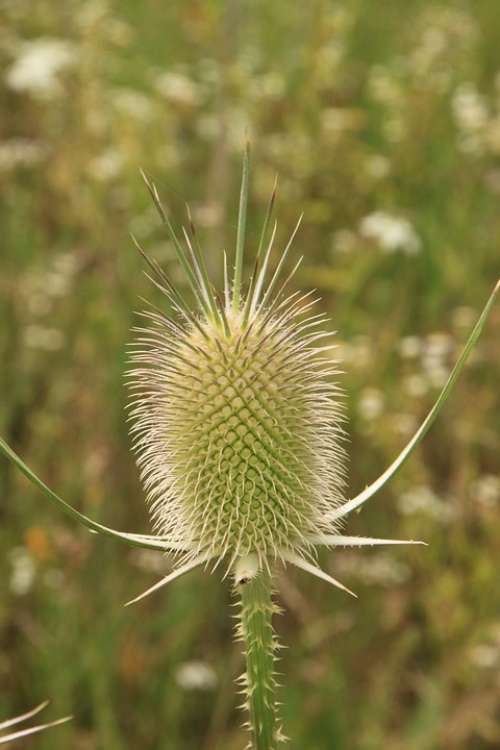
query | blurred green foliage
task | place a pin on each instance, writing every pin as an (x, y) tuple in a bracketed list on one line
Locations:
[(383, 123)]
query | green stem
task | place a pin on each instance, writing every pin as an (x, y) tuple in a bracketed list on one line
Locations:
[(257, 634)]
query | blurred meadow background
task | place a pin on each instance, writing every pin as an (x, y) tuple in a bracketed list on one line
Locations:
[(382, 121)]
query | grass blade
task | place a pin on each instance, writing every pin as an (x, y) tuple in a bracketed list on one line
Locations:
[(23, 717)]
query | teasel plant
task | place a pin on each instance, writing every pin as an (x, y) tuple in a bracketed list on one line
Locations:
[(237, 424), (18, 734)]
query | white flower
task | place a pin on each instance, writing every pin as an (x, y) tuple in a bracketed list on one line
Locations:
[(107, 165), (39, 337), (469, 108), (486, 490), (38, 65), (422, 499), (20, 152), (196, 675), (178, 89), (390, 232), (133, 104), (410, 347), (23, 571), (371, 403)]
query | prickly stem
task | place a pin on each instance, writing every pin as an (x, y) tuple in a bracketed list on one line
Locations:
[(259, 682)]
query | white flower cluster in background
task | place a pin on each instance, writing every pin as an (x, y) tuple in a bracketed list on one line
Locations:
[(422, 499), (23, 571), (391, 233), (20, 152), (38, 65), (196, 675)]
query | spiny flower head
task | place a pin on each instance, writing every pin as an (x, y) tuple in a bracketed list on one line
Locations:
[(235, 417), (237, 423)]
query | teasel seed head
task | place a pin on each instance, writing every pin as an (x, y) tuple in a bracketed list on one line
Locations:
[(238, 433), (236, 418)]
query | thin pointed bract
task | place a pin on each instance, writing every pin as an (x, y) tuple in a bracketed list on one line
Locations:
[(23, 717), (175, 240), (207, 285), (274, 279), (338, 540), (32, 730), (254, 295), (241, 231), (373, 488), (171, 577), (263, 235), (18, 734), (131, 539), (299, 562)]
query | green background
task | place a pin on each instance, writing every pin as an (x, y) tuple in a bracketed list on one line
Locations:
[(382, 120)]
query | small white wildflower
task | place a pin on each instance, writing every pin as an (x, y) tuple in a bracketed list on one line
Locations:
[(438, 345), (23, 571), (337, 120), (360, 352), (344, 241), (148, 560), (380, 569), (371, 403), (107, 165), (486, 490), (378, 166), (422, 499), (132, 104), (432, 45), (469, 108), (178, 89), (384, 86), (415, 386), (485, 655), (403, 424), (40, 337), (20, 152), (390, 232), (410, 347), (268, 86), (196, 675), (36, 69)]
